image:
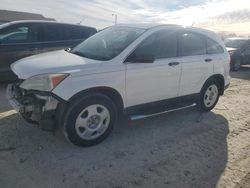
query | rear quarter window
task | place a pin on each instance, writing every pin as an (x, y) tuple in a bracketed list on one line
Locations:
[(77, 32)]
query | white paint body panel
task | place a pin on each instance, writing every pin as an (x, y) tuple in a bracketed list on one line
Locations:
[(152, 82), (195, 71), (137, 83), (53, 62)]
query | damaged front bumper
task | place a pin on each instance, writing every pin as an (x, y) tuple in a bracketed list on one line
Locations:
[(36, 107)]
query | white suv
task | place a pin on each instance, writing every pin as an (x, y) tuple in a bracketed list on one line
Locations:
[(137, 70)]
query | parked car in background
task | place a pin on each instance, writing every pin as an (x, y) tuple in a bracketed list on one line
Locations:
[(137, 70), (20, 39), (239, 49)]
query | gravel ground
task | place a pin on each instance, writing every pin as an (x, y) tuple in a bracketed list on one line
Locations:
[(180, 149)]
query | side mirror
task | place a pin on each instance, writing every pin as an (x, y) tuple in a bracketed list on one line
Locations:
[(68, 49), (140, 58)]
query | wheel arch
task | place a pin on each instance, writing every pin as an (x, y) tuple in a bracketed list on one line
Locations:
[(113, 94), (220, 79)]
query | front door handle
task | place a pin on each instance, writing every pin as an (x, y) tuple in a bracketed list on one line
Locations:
[(208, 60), (173, 64)]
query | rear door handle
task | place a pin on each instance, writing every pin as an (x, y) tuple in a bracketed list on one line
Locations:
[(173, 64), (208, 60)]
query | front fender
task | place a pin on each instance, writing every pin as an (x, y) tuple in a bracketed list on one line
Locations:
[(73, 85)]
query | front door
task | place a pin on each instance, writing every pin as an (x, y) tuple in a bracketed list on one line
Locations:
[(150, 82)]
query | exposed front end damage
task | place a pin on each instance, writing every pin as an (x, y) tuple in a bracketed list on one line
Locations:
[(35, 106)]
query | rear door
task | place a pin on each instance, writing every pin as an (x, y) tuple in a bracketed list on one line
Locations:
[(16, 42), (246, 54), (51, 38), (61, 36), (197, 65)]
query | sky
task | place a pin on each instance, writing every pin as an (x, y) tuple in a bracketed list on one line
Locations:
[(218, 15)]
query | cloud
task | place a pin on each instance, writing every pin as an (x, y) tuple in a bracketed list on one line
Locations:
[(234, 16), (174, 4), (98, 13)]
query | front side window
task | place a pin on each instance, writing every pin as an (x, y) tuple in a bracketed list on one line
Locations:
[(108, 43), (15, 35), (192, 44), (162, 44), (213, 47)]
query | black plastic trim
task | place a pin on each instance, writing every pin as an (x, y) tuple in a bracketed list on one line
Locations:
[(163, 105)]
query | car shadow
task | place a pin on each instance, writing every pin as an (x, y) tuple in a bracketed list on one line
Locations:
[(180, 149), (243, 73)]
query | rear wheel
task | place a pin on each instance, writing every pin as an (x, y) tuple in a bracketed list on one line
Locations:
[(90, 120), (209, 95)]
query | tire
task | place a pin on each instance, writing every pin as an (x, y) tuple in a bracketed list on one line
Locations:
[(236, 65), (89, 120), (209, 95)]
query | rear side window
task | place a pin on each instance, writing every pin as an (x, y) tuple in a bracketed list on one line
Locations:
[(213, 47), (162, 44), (192, 44), (51, 32), (62, 32)]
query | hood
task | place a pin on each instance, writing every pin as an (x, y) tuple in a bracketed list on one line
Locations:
[(52, 62), (231, 49)]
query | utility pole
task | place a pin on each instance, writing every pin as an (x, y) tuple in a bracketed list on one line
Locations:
[(115, 15)]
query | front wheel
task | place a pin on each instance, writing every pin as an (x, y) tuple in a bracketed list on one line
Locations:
[(89, 120), (209, 95)]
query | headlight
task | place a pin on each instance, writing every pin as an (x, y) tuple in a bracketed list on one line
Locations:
[(43, 82)]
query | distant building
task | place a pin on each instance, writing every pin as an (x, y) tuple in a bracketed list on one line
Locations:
[(9, 16)]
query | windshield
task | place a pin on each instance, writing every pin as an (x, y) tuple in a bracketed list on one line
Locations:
[(234, 43), (108, 43)]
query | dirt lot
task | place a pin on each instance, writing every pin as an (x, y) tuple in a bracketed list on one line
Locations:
[(180, 149)]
